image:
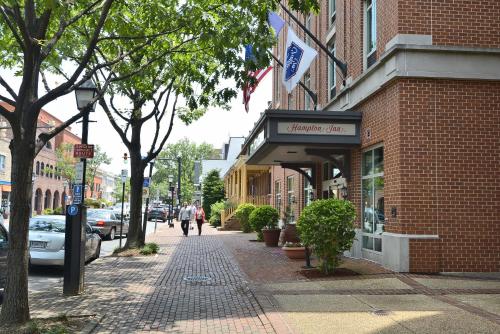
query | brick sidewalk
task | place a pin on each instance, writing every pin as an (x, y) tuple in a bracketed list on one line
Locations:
[(151, 294)]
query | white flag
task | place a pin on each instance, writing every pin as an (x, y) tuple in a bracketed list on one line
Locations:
[(298, 59)]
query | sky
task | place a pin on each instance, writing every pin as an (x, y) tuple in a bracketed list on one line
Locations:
[(215, 127)]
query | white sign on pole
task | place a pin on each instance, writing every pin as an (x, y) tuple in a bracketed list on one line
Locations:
[(124, 175), (79, 172)]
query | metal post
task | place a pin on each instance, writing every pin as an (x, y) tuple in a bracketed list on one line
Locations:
[(179, 180), (145, 223), (74, 255), (171, 202), (121, 216)]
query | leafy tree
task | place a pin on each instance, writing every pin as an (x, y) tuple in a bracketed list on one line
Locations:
[(91, 36), (328, 226), (100, 158), (117, 192), (189, 153), (213, 191), (38, 37), (65, 163)]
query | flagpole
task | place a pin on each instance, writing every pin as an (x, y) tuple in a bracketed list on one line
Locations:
[(341, 65), (313, 95)]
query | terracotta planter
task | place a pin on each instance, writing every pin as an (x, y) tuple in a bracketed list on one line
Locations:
[(271, 237), (291, 234), (295, 253)]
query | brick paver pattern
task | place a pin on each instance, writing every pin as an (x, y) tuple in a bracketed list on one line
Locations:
[(154, 294)]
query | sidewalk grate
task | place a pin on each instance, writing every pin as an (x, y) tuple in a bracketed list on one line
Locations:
[(197, 279)]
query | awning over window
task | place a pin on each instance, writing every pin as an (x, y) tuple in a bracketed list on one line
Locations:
[(299, 136)]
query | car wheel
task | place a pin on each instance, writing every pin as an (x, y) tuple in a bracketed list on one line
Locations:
[(112, 233)]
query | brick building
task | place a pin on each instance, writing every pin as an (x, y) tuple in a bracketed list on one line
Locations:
[(422, 161)]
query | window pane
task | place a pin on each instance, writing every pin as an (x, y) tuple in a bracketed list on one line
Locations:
[(367, 199), (378, 157), (367, 163), (377, 244), (379, 205), (367, 242)]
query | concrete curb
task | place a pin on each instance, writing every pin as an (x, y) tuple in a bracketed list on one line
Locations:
[(92, 324)]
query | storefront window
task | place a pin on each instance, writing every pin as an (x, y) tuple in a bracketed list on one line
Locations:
[(308, 190), (372, 184), (277, 196), (290, 198)]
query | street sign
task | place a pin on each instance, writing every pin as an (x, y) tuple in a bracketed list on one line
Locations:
[(124, 175), (85, 151), (79, 172), (73, 210), (77, 194), (146, 182)]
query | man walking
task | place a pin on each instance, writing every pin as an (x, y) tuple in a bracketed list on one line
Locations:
[(185, 217)]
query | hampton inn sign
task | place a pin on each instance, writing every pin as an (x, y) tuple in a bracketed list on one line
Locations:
[(288, 135)]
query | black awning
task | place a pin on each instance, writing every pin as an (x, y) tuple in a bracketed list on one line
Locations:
[(293, 136)]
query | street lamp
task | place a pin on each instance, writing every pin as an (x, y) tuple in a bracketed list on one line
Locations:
[(76, 217), (171, 210)]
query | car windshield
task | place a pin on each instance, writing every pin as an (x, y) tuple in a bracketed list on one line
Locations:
[(98, 214), (47, 225)]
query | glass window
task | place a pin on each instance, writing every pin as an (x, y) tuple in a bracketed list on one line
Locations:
[(42, 167), (371, 26), (331, 73), (47, 225), (37, 169), (372, 198), (99, 214), (307, 98), (308, 25), (277, 195), (290, 183), (331, 11), (308, 189)]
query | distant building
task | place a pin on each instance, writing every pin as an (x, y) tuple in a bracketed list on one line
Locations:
[(228, 155)]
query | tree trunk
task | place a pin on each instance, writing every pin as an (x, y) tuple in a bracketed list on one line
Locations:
[(15, 309), (135, 234)]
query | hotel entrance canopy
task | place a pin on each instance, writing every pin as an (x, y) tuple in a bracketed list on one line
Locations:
[(302, 137)]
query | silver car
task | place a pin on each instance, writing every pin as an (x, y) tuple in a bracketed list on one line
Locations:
[(4, 245), (46, 241), (106, 222)]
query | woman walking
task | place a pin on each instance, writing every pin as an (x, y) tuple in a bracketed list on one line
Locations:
[(199, 215)]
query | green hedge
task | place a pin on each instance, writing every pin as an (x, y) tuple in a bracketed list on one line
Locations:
[(263, 217), (243, 214)]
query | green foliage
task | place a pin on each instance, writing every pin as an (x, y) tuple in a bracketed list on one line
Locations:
[(150, 248), (213, 191), (216, 208), (328, 226), (243, 214), (117, 191), (92, 203), (189, 152), (58, 210), (48, 211), (100, 158), (65, 163), (263, 217)]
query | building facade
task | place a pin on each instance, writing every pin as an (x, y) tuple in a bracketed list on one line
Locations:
[(421, 163)]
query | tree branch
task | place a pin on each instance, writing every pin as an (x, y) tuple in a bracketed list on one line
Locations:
[(43, 138), (164, 140), (12, 28), (115, 125), (45, 82), (8, 88)]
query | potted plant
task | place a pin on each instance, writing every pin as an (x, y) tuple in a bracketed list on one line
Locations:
[(290, 231), (294, 250), (328, 227), (264, 220)]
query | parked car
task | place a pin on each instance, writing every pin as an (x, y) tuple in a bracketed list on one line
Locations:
[(46, 241), (117, 210), (4, 245), (106, 222), (159, 213)]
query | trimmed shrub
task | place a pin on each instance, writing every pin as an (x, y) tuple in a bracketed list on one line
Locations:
[(48, 211), (58, 211), (328, 227), (263, 217), (92, 203), (216, 208), (150, 248), (243, 214)]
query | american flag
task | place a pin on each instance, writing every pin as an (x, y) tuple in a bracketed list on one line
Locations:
[(248, 89)]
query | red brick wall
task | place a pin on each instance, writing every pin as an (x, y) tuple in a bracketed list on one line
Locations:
[(425, 256), (458, 22)]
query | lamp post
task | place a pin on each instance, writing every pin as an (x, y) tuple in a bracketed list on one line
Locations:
[(171, 209), (76, 216)]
